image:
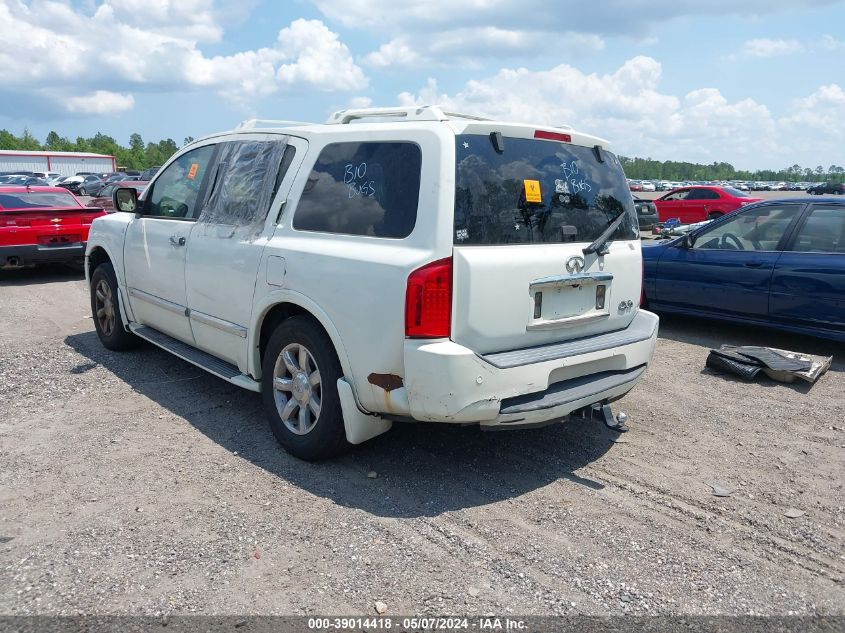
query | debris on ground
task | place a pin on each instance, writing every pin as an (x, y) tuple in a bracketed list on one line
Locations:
[(794, 513), (718, 489), (381, 608), (747, 361)]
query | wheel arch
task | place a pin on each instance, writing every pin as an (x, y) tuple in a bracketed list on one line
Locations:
[(96, 255), (274, 310)]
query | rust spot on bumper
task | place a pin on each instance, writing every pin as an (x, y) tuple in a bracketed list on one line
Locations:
[(388, 382)]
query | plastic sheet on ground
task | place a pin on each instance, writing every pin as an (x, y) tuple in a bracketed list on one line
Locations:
[(778, 364)]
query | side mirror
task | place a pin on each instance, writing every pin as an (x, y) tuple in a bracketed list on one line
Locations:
[(125, 199), (687, 241)]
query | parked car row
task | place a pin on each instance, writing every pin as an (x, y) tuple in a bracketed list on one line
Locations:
[(666, 185), (81, 184)]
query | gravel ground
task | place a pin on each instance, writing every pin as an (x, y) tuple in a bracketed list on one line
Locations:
[(136, 483)]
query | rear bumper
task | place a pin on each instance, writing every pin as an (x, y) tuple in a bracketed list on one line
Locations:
[(446, 382), (26, 254)]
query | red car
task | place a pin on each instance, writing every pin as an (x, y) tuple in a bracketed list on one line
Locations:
[(42, 224), (700, 203), (104, 200)]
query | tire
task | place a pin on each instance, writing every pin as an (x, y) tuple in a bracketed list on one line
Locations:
[(109, 323), (713, 215), (312, 435)]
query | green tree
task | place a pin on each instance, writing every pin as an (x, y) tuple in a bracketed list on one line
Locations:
[(28, 141)]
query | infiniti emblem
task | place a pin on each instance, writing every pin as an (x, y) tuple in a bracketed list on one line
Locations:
[(575, 264)]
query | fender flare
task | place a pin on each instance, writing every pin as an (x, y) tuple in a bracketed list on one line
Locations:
[(280, 296)]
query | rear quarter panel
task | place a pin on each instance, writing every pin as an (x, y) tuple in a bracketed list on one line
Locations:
[(359, 282)]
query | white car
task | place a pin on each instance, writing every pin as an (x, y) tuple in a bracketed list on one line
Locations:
[(648, 186), (438, 268)]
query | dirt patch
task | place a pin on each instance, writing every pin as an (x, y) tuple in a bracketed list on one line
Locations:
[(136, 483)]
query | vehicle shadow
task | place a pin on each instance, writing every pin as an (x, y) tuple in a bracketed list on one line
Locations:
[(713, 334), (422, 469), (44, 273)]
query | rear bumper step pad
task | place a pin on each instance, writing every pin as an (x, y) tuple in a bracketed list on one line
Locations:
[(570, 390)]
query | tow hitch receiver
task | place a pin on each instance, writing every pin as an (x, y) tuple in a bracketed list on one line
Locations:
[(605, 414)]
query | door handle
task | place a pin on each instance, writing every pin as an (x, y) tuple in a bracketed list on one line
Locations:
[(754, 264), (177, 241)]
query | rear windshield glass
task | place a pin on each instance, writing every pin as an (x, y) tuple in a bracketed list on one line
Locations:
[(36, 200), (537, 191), (736, 193)]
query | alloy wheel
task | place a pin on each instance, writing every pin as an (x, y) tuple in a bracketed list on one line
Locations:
[(297, 388), (104, 307)]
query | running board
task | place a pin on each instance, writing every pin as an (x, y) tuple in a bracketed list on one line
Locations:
[(209, 363)]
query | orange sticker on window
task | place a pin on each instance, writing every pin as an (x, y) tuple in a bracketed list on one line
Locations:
[(192, 172), (532, 191)]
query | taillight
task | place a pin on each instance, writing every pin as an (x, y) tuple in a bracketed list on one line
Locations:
[(14, 222), (428, 301)]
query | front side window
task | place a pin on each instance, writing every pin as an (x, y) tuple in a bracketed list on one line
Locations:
[(367, 189), (758, 229), (823, 232), (175, 193), (246, 176), (533, 191), (677, 195)]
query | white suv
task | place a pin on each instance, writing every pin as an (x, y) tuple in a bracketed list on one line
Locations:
[(390, 265)]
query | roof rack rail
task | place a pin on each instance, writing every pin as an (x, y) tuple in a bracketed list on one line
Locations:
[(251, 124), (409, 113)]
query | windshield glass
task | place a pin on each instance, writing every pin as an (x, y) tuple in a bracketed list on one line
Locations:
[(537, 191), (736, 193), (35, 200)]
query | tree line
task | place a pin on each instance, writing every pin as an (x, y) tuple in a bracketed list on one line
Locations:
[(650, 169), (140, 155)]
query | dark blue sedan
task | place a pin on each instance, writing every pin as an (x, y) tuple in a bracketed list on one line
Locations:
[(779, 264)]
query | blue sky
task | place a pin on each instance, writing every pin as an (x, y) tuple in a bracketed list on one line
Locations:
[(757, 83)]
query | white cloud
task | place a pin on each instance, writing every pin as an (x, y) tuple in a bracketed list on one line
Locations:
[(628, 107), (153, 45), (443, 32), (763, 47), (830, 43), (360, 102), (100, 102), (186, 19), (466, 47), (609, 17), (397, 53), (320, 60)]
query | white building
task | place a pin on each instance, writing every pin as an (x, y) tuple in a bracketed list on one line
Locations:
[(64, 163)]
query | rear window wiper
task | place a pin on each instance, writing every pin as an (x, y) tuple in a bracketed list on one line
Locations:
[(600, 245)]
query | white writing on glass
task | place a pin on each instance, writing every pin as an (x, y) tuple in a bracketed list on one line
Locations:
[(571, 173), (358, 186)]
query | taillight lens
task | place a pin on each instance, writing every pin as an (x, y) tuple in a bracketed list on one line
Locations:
[(428, 301)]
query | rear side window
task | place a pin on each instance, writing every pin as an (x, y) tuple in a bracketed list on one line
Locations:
[(537, 192), (368, 189), (823, 232)]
